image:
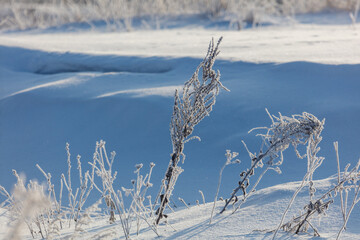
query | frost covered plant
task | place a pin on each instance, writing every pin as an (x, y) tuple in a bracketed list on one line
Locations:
[(202, 196), (190, 107), (283, 132), (87, 217), (49, 223), (57, 212), (47, 216), (138, 209), (114, 198), (346, 182), (183, 201), (313, 162), (78, 196), (28, 205), (103, 169), (302, 222), (230, 159), (354, 14)]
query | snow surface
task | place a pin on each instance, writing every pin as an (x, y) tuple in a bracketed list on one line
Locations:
[(328, 44), (257, 218), (80, 87)]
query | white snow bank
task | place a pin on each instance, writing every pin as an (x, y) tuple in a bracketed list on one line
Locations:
[(331, 44)]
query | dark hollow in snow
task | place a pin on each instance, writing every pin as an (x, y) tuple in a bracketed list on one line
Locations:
[(39, 62)]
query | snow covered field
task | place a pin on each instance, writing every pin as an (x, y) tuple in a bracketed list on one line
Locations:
[(256, 220), (80, 87)]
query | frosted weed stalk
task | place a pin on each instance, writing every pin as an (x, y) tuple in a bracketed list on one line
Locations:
[(138, 209), (283, 132), (313, 162), (114, 201), (230, 159), (194, 104), (346, 182)]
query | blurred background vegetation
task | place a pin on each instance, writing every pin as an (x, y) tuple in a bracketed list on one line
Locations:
[(123, 14)]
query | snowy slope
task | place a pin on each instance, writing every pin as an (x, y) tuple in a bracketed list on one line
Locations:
[(49, 98), (255, 220)]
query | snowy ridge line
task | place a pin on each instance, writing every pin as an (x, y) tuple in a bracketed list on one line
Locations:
[(52, 63), (145, 76), (167, 91), (40, 62), (57, 84)]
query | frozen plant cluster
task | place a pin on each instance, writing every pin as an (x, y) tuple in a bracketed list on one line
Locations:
[(137, 211), (48, 215)]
